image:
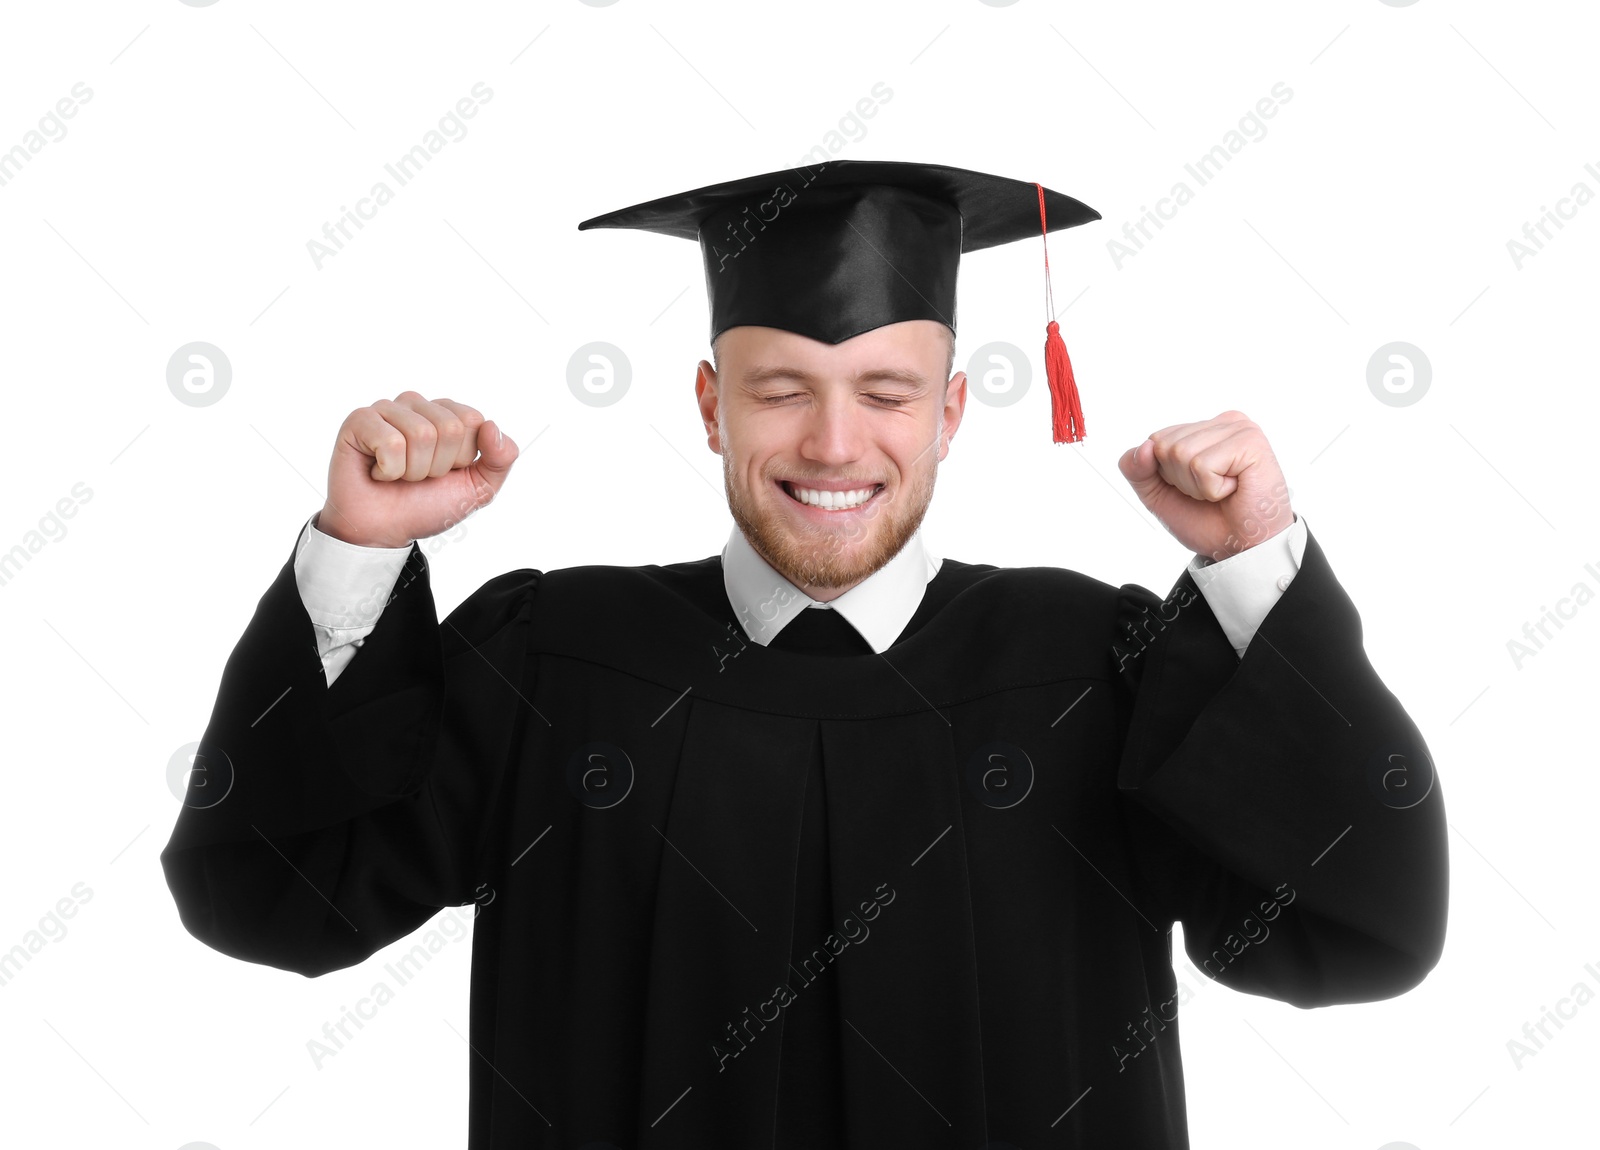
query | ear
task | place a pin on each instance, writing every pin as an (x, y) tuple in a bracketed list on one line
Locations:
[(955, 404), (705, 392)]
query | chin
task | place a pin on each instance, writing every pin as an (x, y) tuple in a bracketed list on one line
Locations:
[(824, 559), (827, 550)]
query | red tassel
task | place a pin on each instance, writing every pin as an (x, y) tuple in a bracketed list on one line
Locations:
[(1066, 413)]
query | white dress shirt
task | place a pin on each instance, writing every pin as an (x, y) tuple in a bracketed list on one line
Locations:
[(344, 589)]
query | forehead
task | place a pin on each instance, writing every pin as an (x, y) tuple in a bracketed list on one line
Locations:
[(917, 341)]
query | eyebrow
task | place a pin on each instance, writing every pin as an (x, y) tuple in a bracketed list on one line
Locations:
[(764, 373)]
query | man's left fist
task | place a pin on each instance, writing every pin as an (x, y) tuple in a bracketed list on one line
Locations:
[(1215, 485)]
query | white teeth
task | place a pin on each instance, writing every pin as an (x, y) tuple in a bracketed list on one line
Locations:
[(830, 500)]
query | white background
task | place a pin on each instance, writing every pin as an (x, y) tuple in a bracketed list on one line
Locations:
[(1377, 207)]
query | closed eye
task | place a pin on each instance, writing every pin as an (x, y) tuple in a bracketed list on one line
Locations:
[(885, 400)]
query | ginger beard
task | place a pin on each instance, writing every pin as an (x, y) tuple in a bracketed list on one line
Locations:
[(827, 555)]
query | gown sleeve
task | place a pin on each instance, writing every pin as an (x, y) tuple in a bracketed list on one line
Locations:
[(1282, 806), (323, 822)]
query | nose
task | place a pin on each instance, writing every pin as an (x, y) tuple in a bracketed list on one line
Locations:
[(834, 431)]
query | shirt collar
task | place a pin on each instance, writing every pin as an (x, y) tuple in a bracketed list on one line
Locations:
[(879, 607)]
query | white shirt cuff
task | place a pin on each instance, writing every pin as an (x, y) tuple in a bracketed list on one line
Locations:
[(1242, 588), (344, 588)]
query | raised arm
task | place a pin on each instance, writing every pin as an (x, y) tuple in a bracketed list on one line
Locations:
[(331, 817)]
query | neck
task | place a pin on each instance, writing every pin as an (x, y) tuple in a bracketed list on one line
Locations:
[(826, 594)]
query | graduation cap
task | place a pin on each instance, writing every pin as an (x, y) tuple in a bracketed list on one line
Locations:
[(846, 246)]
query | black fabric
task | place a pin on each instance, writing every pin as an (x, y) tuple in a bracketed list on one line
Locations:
[(810, 1096), (1017, 800), (845, 246), (821, 631)]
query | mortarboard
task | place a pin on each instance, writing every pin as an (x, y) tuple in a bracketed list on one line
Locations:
[(846, 246)]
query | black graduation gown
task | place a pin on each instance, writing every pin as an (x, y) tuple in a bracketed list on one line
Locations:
[(1010, 807)]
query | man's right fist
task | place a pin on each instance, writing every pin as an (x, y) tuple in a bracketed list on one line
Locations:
[(410, 468)]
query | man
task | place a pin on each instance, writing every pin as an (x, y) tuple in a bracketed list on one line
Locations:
[(823, 837)]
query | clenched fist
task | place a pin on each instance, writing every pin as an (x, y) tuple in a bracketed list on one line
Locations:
[(1216, 484), (410, 468)]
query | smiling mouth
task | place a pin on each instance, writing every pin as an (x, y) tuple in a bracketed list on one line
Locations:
[(831, 500)]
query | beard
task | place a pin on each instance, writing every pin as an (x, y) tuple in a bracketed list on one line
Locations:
[(824, 556)]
